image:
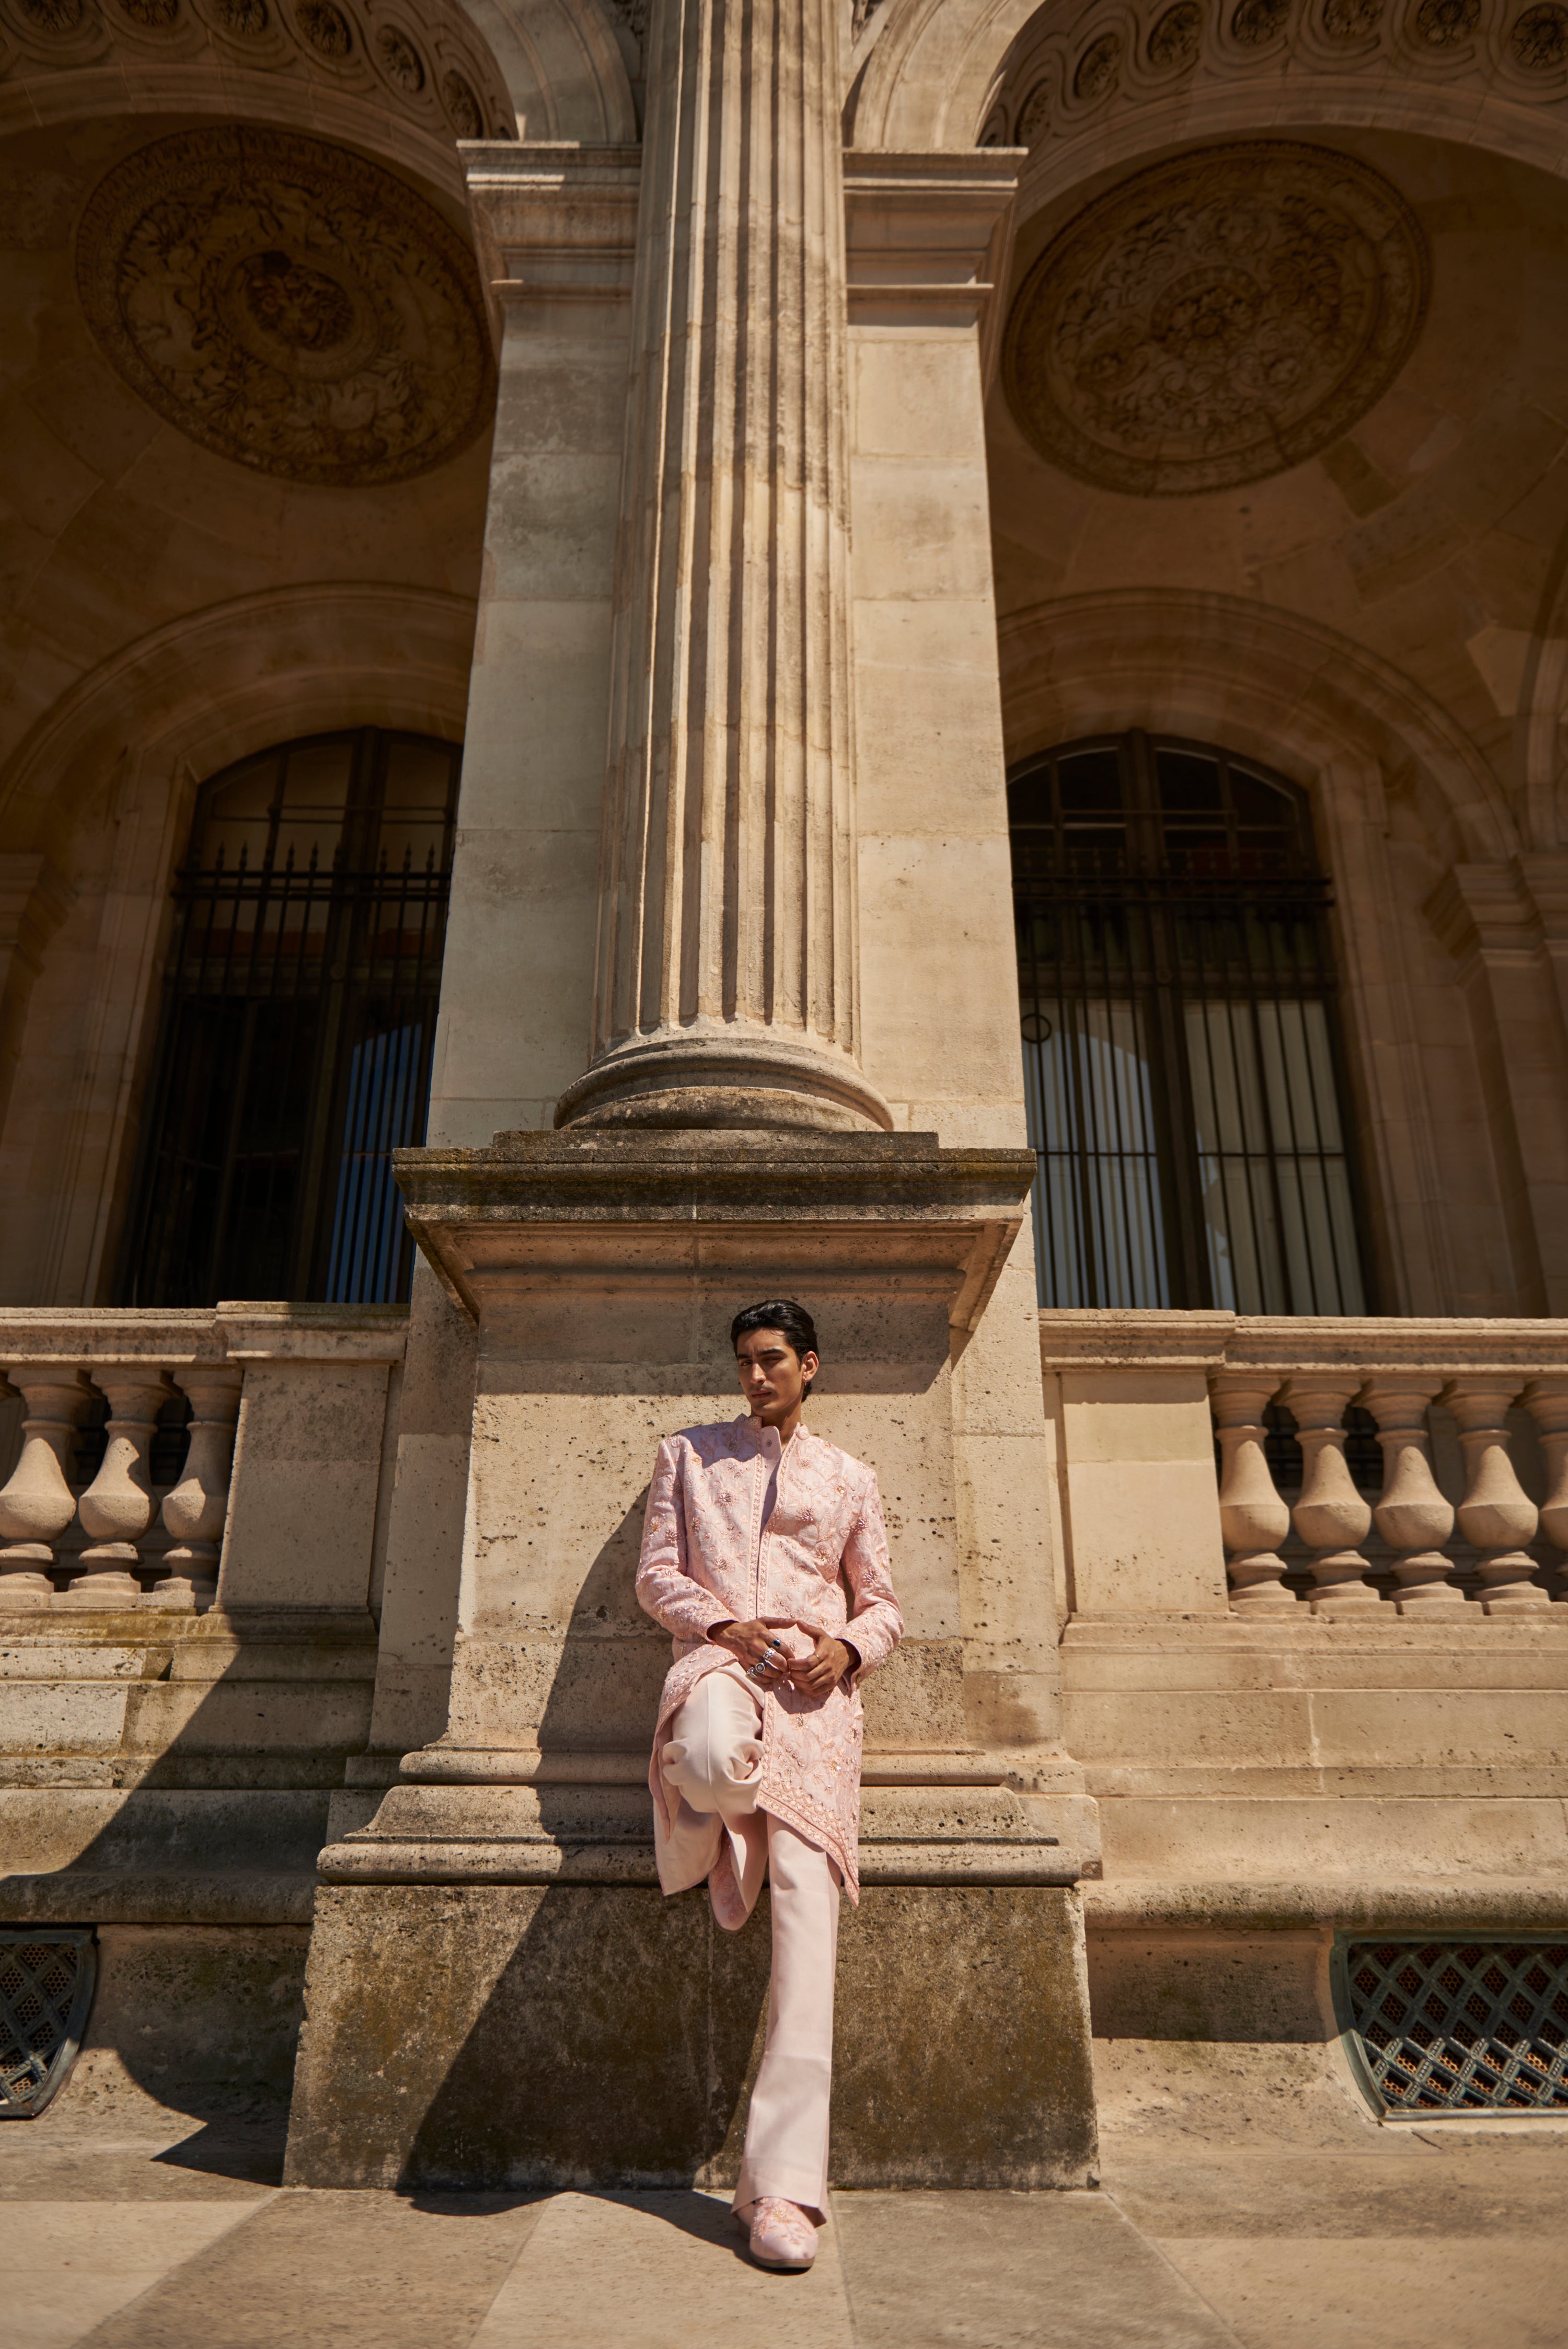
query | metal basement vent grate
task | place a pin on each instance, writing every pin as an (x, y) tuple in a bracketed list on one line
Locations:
[(1462, 2026), (46, 1988)]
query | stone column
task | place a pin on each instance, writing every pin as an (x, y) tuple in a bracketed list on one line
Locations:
[(1411, 1515), (726, 985), (1496, 1513), (1330, 1515), (503, 1891), (1253, 1517)]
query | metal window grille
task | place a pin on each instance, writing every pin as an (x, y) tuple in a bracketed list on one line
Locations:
[(1457, 2026), (46, 1990), (299, 1013), (1181, 1046)]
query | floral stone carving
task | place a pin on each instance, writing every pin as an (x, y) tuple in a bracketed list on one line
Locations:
[(290, 306), (1217, 319)]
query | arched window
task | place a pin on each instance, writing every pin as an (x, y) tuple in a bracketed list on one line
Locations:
[(1180, 1042), (299, 1011)]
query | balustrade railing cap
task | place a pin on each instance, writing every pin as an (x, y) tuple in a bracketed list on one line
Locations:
[(1385, 1345), (100, 1337), (1305, 1346), (1112, 1336), (265, 1331), (88, 1334)]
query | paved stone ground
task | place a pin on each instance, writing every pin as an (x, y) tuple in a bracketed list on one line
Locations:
[(1397, 2241)]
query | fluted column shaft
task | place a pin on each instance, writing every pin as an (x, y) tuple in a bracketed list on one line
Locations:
[(725, 982)]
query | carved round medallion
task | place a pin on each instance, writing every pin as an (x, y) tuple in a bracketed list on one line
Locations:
[(1032, 115), (288, 305), (1539, 41), (325, 28), (1217, 319), (246, 18), (1444, 23), (1253, 22), (1173, 40), (1097, 67), (1352, 20), (58, 16), (462, 107), (401, 59)]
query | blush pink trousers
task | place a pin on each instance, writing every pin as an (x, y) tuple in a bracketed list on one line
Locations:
[(712, 1758)]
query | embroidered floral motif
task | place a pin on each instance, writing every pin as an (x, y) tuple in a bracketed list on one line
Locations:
[(824, 1546)]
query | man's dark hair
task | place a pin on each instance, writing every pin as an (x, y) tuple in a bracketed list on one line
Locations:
[(791, 1321)]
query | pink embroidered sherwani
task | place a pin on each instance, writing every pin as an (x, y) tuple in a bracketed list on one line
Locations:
[(744, 1778), (817, 1562)]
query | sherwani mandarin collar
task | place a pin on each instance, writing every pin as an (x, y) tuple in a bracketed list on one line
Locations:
[(817, 1563)]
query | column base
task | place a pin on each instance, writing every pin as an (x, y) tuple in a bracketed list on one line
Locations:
[(729, 1077), (515, 2037)]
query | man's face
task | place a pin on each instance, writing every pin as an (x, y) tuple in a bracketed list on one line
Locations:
[(772, 1374)]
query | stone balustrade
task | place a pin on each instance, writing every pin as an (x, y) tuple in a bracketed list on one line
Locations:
[(1366, 1469), (120, 1478)]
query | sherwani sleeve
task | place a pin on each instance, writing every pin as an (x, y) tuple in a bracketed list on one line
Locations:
[(664, 1589), (875, 1626)]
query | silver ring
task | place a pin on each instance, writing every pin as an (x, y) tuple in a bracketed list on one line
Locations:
[(754, 1672)]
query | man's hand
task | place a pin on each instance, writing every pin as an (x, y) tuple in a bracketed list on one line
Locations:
[(823, 1667), (754, 1643)]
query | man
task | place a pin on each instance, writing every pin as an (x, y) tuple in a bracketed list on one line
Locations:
[(765, 1556)]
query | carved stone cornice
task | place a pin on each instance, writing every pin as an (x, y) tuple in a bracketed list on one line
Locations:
[(555, 223), (919, 230), (573, 1209), (1486, 911)]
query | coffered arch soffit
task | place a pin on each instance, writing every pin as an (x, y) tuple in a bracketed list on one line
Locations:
[(409, 78), (1284, 690), (1088, 88)]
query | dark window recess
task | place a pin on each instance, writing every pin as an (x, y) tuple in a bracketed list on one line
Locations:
[(1182, 1053), (298, 1022)]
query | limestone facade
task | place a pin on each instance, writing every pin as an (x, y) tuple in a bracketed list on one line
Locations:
[(754, 434)]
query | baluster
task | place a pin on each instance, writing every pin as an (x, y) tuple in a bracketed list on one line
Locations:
[(1496, 1513), (1253, 1517), (117, 1507), (1546, 1399), (195, 1509), (38, 1504), (1331, 1515), (1411, 1515)]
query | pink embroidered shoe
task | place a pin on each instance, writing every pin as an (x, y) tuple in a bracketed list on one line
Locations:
[(781, 2234)]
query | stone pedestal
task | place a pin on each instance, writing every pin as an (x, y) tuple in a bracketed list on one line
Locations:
[(532, 2035), (498, 1991)]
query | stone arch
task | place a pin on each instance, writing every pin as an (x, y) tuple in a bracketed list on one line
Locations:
[(1348, 727), (947, 72), (1302, 695), (453, 70), (565, 68), (406, 84), (101, 790)]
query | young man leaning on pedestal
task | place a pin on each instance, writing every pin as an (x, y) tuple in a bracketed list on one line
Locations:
[(763, 1552)]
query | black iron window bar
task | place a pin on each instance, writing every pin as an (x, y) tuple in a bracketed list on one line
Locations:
[(294, 1055), (1183, 1062)]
